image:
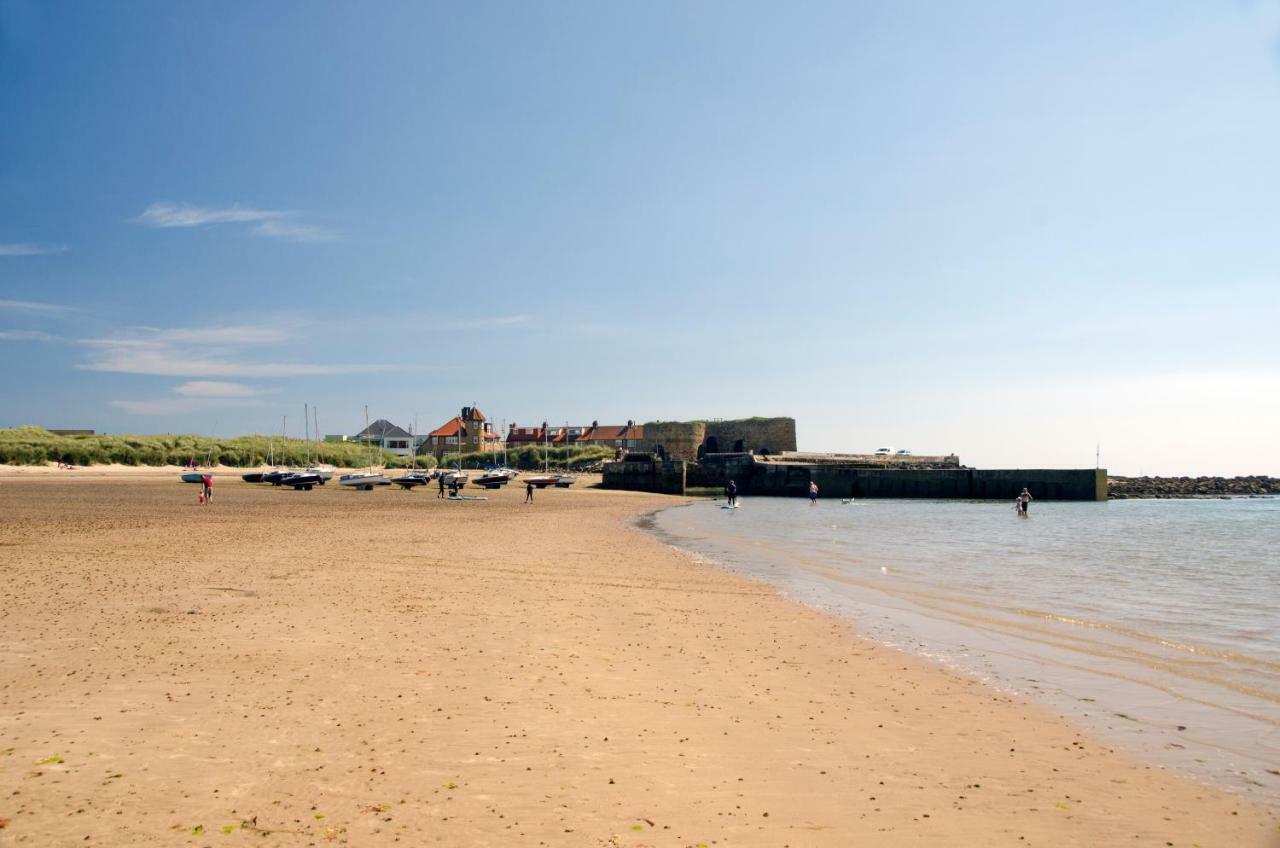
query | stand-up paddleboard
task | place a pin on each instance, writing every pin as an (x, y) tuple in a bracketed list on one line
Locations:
[(728, 506), (466, 498)]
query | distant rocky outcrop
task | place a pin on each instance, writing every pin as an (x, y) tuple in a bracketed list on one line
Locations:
[(1191, 487)]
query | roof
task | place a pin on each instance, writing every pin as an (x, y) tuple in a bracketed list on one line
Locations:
[(611, 433), (382, 429), (475, 413), (456, 425), (448, 428)]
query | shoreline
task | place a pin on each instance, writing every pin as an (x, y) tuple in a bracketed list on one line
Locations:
[(993, 639), (358, 667)]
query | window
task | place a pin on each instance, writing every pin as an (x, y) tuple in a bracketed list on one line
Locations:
[(397, 444)]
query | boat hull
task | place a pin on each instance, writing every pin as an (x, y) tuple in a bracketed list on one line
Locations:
[(193, 478), (365, 482), (302, 481), (543, 481)]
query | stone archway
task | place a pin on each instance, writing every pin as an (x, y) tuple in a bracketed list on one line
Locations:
[(711, 445), (739, 447)]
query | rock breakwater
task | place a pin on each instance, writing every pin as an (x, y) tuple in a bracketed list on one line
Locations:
[(1119, 488)]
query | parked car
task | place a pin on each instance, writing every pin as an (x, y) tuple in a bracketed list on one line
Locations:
[(903, 453), (884, 451)]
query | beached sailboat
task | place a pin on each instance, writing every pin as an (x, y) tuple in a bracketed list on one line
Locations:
[(365, 480), (324, 472), (413, 478), (546, 478), (564, 481), (198, 476)]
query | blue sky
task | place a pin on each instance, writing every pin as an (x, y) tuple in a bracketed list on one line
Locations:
[(1007, 230)]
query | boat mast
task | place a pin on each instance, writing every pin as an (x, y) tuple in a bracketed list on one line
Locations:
[(367, 435)]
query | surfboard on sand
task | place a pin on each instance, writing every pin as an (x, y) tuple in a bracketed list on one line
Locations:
[(466, 498), (728, 506)]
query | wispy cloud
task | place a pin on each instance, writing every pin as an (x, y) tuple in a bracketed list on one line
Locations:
[(35, 307), (494, 323), (216, 389), (171, 361), (26, 336), (188, 215), (268, 223), (218, 352), (232, 334), (195, 396), (292, 232), (178, 406), (30, 248)]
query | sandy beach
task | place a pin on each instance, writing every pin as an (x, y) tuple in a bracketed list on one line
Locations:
[(339, 667)]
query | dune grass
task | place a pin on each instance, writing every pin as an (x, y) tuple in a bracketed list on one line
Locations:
[(35, 446)]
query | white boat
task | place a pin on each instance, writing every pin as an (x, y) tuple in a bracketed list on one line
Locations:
[(542, 481), (451, 477), (413, 478), (564, 481), (365, 480), (324, 472)]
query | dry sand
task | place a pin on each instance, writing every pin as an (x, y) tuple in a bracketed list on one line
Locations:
[(366, 668)]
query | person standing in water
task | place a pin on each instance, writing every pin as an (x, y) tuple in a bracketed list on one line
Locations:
[(731, 492), (813, 493), (1025, 499)]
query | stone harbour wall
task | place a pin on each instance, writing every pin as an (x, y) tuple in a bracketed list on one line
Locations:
[(783, 479), (664, 477), (688, 440)]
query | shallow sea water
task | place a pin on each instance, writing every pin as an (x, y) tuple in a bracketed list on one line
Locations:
[(1152, 624)]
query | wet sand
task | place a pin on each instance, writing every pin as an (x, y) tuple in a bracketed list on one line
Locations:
[(367, 668)]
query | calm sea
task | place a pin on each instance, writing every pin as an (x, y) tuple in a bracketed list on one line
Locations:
[(1152, 624)]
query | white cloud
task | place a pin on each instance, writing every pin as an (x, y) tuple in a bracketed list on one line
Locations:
[(269, 223), (292, 232), (166, 361), (30, 249), (176, 406), (187, 215), (203, 352), (215, 389), (238, 334), (495, 323), (26, 336), (33, 306)]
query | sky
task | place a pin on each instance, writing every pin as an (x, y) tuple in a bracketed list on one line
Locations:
[(1023, 233)]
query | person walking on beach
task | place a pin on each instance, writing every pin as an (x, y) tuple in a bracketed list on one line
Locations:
[(440, 479), (528, 493), (731, 492), (813, 493), (1025, 499), (206, 481)]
